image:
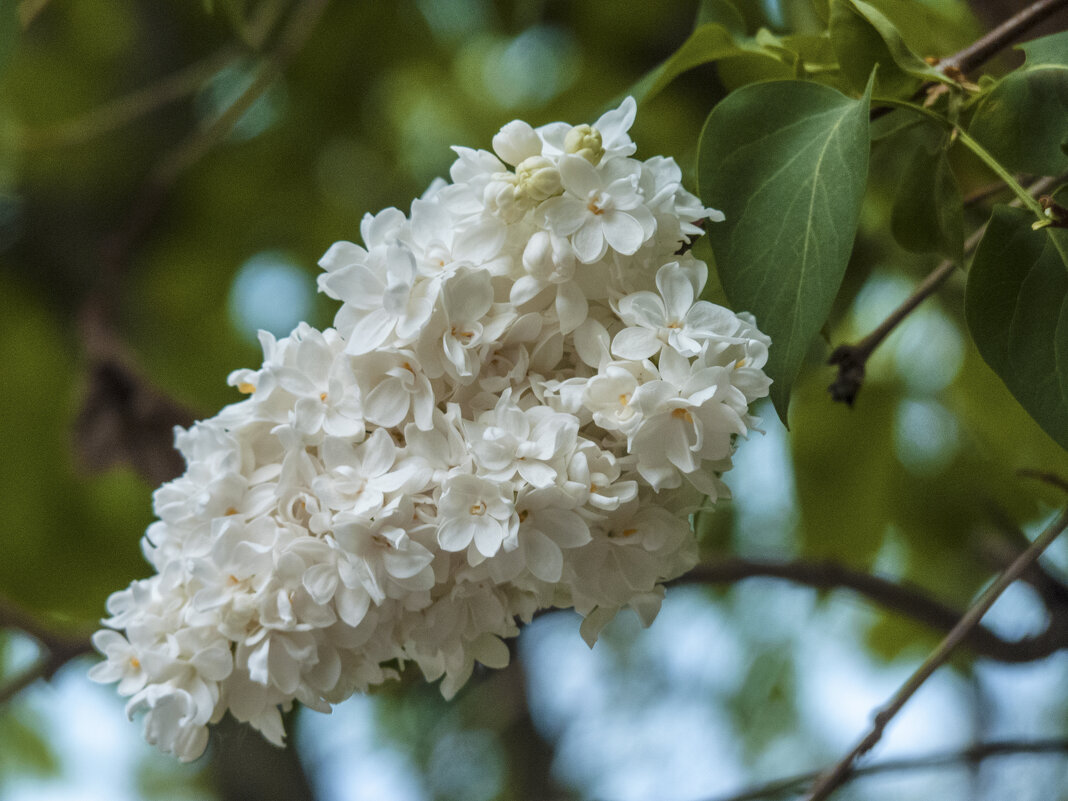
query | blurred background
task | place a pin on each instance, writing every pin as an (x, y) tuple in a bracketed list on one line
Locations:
[(170, 172)]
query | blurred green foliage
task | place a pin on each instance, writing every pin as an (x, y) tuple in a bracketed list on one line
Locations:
[(362, 118)]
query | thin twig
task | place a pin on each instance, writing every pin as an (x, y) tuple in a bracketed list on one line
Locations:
[(905, 599), (290, 43), (124, 110), (291, 40), (1001, 37), (127, 109), (969, 756), (837, 774), (851, 359)]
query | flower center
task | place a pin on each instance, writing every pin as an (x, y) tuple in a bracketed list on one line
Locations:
[(464, 337), (682, 414), (597, 203), (477, 509)]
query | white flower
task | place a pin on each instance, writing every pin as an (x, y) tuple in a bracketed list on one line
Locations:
[(171, 721), (383, 301), (358, 478), (533, 444), (671, 318), (600, 209), (394, 388), (477, 512)]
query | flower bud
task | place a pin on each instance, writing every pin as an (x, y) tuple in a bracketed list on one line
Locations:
[(585, 140), (516, 141), (537, 179), (549, 258)]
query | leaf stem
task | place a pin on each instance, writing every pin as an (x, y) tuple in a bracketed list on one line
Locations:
[(995, 166), (851, 359), (839, 772)]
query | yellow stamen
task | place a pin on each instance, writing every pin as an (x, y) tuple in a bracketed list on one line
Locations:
[(682, 414), (478, 509), (246, 388)]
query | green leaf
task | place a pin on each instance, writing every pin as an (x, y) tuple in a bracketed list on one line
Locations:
[(1016, 304), (787, 163), (928, 214), (814, 53), (864, 38), (1023, 119), (709, 42)]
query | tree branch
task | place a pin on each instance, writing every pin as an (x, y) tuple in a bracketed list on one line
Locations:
[(837, 774), (969, 756), (1000, 37), (852, 359), (906, 599), (56, 648)]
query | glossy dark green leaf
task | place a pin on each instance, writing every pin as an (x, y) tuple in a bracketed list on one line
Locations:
[(1023, 119), (710, 42), (1016, 304), (863, 38), (928, 215), (787, 163)]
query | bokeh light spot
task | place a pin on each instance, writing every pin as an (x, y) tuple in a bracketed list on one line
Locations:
[(926, 436), (270, 292), (532, 68), (467, 765)]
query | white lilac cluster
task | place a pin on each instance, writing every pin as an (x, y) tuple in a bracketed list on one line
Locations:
[(520, 402)]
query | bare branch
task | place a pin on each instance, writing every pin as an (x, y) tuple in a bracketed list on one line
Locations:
[(837, 774), (903, 598), (969, 756), (1000, 37)]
